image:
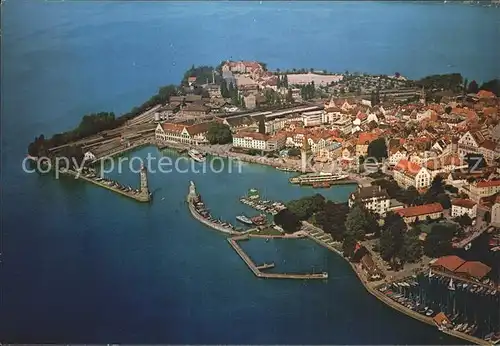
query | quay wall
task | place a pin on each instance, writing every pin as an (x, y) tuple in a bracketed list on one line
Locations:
[(258, 273), (140, 197), (215, 226)]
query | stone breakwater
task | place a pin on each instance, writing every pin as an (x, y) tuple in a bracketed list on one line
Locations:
[(143, 197), (208, 223)]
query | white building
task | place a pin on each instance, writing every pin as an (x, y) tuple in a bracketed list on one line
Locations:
[(344, 125), (313, 118), (373, 198), (258, 141), (475, 143), (495, 213), (397, 155), (408, 174), (181, 133), (461, 207), (481, 189)]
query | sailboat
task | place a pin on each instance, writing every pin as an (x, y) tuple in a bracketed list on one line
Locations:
[(451, 286), (430, 273)]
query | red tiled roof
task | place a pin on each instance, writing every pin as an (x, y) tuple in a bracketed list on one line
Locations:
[(488, 183), (408, 167), (485, 94), (450, 263), (420, 210), (441, 319), (465, 203), (475, 269), (170, 127), (366, 137), (254, 135)]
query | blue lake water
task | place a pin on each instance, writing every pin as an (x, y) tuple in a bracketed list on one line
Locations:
[(81, 264)]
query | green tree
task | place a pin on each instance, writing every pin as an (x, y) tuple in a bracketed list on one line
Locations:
[(493, 86), (392, 237), (357, 223), (332, 218), (306, 207), (285, 81), (411, 251), (464, 220), (219, 134), (287, 220), (473, 87), (224, 90), (438, 241), (378, 149)]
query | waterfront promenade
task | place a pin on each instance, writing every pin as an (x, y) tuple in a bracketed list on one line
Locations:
[(372, 287)]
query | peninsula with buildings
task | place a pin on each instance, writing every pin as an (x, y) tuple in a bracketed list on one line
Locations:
[(421, 230)]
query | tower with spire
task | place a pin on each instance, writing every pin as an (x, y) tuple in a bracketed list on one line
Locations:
[(422, 96), (303, 154)]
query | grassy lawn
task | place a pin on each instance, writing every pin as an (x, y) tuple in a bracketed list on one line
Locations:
[(267, 231)]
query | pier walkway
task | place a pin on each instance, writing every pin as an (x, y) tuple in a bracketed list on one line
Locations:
[(216, 226), (141, 196), (191, 198), (257, 269)]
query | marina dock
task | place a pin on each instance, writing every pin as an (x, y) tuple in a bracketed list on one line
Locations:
[(256, 270), (269, 207)]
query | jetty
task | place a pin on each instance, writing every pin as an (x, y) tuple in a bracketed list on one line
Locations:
[(141, 195), (269, 207), (192, 199), (257, 269)]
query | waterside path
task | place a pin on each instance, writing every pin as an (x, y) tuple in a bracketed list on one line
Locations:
[(371, 287)]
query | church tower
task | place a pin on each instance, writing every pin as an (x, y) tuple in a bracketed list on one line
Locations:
[(144, 189), (303, 154), (422, 96)]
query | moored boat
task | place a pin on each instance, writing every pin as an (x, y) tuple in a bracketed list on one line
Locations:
[(196, 155), (322, 177), (244, 219)]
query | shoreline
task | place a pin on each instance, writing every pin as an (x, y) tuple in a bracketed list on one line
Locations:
[(392, 304)]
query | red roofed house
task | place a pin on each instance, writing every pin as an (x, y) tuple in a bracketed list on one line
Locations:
[(421, 212), (485, 94), (408, 173), (447, 264), (473, 270), (475, 143), (364, 139), (182, 133), (461, 207), (481, 189)]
